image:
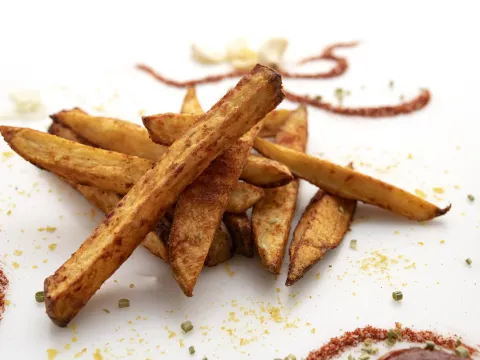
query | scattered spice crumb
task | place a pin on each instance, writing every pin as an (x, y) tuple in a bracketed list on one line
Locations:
[(52, 353), (15, 265), (229, 271), (97, 355), (9, 212), (442, 241), (421, 243), (313, 331), (107, 311), (317, 276), (74, 339), (18, 252), (52, 247), (438, 190), (67, 347), (410, 157), (80, 353)]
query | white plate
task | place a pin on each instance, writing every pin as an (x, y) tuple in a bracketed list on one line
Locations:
[(239, 309)]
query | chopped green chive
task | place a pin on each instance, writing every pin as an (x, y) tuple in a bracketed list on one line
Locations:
[(40, 296), (391, 342), (392, 334), (353, 244), (187, 326), (318, 97), (368, 342), (123, 303), (364, 357), (429, 345), (350, 357), (462, 352), (107, 311), (205, 358), (397, 295), (458, 342), (471, 197), (468, 261), (191, 350), (291, 357), (391, 84), (370, 350)]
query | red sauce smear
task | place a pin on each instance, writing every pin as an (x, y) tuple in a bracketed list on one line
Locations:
[(3, 289), (338, 345), (341, 65)]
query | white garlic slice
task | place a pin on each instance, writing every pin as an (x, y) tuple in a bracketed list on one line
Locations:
[(271, 52), (206, 57), (238, 50)]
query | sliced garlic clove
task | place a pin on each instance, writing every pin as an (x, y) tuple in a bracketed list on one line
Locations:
[(271, 52), (206, 57)]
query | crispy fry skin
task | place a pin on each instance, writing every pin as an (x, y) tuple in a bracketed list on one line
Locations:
[(190, 103), (75, 282), (107, 170), (350, 184), (265, 173), (200, 209), (322, 227), (272, 215), (111, 134), (273, 122), (107, 200), (166, 128), (240, 230), (257, 171), (221, 248)]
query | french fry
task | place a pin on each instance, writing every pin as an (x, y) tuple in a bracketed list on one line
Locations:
[(322, 227), (166, 128), (221, 248), (240, 230), (272, 215), (199, 211), (100, 168), (112, 134), (350, 184), (77, 280)]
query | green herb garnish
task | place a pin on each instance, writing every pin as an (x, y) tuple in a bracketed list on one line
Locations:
[(471, 197), (429, 345), (40, 296), (107, 311), (353, 244), (191, 350), (462, 351), (123, 303), (392, 334), (468, 261), (364, 357), (187, 326), (291, 357), (397, 295)]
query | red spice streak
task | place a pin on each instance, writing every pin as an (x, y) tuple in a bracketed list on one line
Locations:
[(351, 339), (3, 289), (341, 65)]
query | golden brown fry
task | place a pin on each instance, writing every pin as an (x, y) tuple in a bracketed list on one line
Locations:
[(265, 173), (350, 184), (67, 133), (322, 227), (75, 282), (240, 230), (100, 168), (190, 103), (221, 248), (272, 215), (273, 122), (111, 134), (166, 128), (128, 138), (200, 209)]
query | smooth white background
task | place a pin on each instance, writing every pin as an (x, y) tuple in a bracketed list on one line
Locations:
[(81, 53)]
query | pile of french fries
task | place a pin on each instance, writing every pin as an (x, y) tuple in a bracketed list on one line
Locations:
[(181, 187)]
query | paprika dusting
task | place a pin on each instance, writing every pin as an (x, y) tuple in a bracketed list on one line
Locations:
[(341, 65), (350, 339), (3, 289)]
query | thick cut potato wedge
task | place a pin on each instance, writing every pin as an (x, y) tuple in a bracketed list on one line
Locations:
[(124, 228), (322, 227), (166, 128), (155, 241), (240, 230), (111, 134), (272, 215), (350, 184), (100, 168), (190, 103), (200, 209)]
